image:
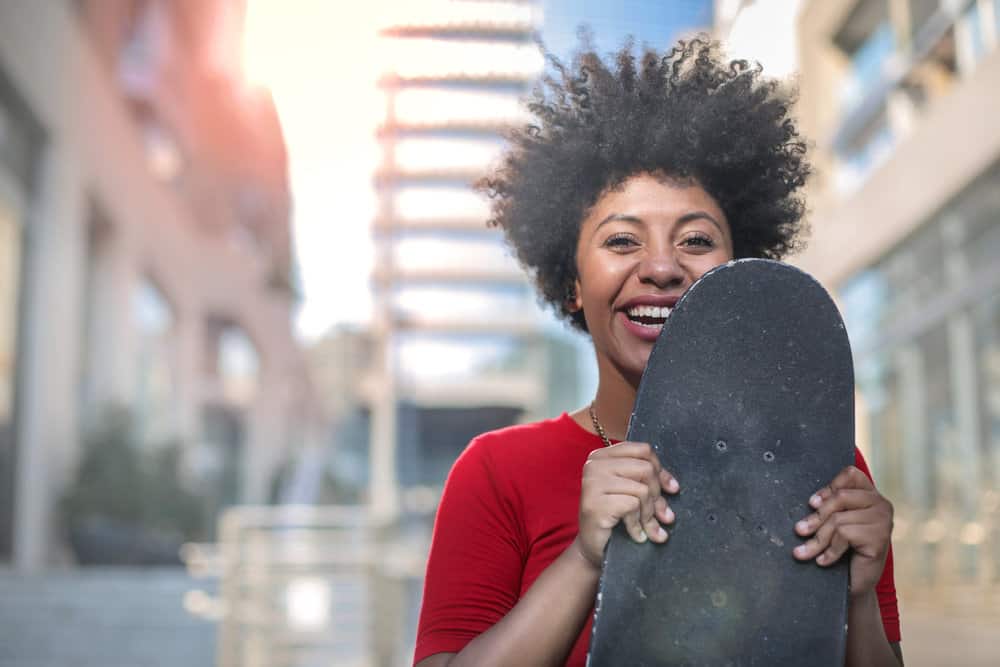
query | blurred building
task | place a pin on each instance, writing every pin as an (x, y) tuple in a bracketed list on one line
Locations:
[(144, 231), (900, 98), (460, 347)]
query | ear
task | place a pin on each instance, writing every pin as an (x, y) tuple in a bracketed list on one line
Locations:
[(574, 302)]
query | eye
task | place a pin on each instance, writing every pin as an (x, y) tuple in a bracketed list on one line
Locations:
[(698, 240), (621, 241)]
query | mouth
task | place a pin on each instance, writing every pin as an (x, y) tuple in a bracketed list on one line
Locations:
[(645, 315), (651, 317), (644, 322)]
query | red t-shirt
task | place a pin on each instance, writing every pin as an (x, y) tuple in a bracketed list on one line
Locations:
[(508, 510)]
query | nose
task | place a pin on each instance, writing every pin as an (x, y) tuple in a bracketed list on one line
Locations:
[(660, 268)]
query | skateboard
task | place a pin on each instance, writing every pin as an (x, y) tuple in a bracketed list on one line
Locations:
[(748, 398)]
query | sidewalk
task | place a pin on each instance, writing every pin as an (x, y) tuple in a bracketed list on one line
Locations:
[(950, 638), (101, 617)]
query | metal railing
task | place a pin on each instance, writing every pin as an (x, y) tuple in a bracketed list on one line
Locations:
[(303, 585)]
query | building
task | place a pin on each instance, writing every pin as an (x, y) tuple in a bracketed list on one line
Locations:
[(460, 342), (899, 98), (144, 226)]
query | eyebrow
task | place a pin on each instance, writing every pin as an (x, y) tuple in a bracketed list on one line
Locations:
[(687, 217)]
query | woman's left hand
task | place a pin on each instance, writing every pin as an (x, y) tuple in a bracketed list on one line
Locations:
[(850, 513)]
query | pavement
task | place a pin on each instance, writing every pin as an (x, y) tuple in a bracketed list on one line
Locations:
[(101, 617), (950, 637)]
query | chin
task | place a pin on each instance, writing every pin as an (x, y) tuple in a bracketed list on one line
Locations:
[(634, 368)]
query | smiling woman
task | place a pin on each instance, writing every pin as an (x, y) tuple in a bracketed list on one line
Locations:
[(635, 179)]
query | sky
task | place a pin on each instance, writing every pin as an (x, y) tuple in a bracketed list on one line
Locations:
[(321, 59)]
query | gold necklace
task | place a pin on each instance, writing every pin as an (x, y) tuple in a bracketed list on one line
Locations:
[(597, 426)]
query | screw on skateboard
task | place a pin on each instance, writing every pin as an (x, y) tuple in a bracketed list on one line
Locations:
[(748, 398)]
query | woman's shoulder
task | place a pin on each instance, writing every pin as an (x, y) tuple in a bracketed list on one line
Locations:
[(532, 439)]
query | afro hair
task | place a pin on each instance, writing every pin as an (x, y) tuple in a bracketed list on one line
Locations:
[(688, 114)]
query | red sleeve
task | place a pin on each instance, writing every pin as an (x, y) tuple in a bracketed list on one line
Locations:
[(886, 587), (476, 557)]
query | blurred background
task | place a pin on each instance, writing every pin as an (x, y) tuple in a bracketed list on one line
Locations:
[(250, 313)]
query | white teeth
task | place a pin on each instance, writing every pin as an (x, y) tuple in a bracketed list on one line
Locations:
[(649, 311)]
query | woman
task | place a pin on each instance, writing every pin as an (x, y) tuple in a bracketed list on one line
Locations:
[(638, 178)]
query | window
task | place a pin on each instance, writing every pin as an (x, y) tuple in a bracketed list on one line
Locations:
[(454, 358), (440, 106), (155, 384), (971, 38), (417, 57), (453, 253), (489, 304), (866, 152), (440, 204), (232, 361), (868, 40), (446, 154)]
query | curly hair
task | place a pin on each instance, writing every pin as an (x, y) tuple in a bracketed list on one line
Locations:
[(686, 115)]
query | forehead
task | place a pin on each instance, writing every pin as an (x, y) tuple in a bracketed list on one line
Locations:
[(651, 197)]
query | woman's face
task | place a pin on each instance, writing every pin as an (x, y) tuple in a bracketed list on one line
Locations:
[(640, 247)]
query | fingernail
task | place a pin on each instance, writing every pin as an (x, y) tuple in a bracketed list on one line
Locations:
[(821, 559), (642, 536), (800, 550), (672, 485), (669, 515), (662, 533), (802, 526), (815, 501)]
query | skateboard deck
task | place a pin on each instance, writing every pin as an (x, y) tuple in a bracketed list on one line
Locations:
[(748, 398)]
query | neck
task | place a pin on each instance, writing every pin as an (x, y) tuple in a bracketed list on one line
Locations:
[(614, 401)]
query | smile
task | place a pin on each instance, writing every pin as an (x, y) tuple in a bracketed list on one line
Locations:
[(644, 326), (649, 316)]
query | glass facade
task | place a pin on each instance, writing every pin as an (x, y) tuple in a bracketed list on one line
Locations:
[(925, 328)]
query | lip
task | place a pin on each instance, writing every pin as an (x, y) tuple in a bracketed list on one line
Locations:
[(660, 300), (639, 331)]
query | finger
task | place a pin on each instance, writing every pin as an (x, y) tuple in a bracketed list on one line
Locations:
[(830, 528), (633, 450), (866, 539), (638, 450), (637, 469), (641, 451), (663, 511), (629, 477), (633, 527), (817, 544), (654, 530), (849, 478), (668, 482), (644, 470), (614, 485), (646, 512), (838, 545), (843, 500)]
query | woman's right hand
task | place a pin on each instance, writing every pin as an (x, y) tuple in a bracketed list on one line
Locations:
[(623, 482)]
